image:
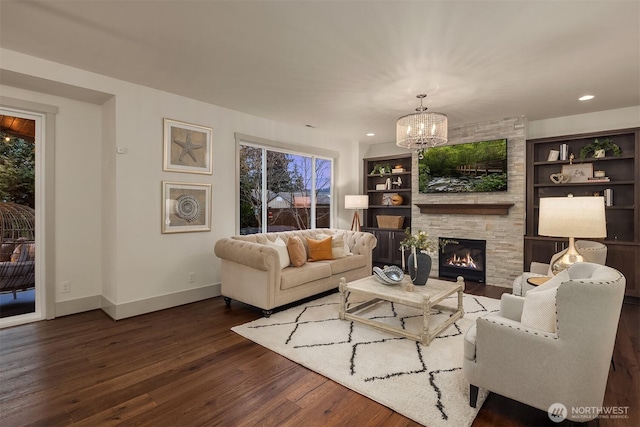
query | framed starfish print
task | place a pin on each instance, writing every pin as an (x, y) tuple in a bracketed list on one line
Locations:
[(187, 147), (185, 207)]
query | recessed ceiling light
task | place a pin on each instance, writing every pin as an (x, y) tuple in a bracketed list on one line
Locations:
[(586, 98), (371, 134)]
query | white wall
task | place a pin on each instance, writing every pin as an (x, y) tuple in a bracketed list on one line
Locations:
[(124, 257), (621, 118)]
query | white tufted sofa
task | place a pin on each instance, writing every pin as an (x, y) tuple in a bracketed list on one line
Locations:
[(251, 270)]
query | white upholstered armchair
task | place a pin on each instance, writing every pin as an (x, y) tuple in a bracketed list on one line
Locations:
[(591, 251), (552, 346)]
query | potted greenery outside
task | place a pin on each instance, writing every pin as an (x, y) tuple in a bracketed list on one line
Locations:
[(599, 147)]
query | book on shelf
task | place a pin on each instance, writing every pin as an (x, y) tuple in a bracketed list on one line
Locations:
[(599, 179)]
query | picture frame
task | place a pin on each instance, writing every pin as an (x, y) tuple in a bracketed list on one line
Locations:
[(386, 198), (580, 172), (187, 147), (186, 207)]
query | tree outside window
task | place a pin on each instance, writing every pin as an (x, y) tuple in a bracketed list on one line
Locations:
[(17, 171)]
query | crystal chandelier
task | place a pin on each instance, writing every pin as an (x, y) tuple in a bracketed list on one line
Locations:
[(421, 130)]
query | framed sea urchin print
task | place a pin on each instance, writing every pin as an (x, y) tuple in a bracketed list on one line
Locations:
[(187, 147), (186, 207)]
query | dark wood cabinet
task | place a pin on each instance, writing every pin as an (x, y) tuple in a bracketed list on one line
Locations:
[(387, 251), (623, 216), (396, 170)]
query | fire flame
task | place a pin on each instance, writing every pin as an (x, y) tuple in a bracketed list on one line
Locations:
[(465, 261)]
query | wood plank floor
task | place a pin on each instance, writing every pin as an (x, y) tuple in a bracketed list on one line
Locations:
[(184, 367)]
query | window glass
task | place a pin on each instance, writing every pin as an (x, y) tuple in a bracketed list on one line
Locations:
[(250, 190), (298, 190), (323, 193)]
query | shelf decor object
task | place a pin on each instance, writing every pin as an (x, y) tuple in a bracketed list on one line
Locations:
[(186, 207), (421, 130), (579, 172), (187, 148), (356, 202), (599, 147), (572, 217), (390, 221)]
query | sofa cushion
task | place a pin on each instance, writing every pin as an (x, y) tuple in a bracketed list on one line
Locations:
[(292, 277), (297, 251), (539, 310), (347, 264), (280, 246), (339, 247), (319, 249)]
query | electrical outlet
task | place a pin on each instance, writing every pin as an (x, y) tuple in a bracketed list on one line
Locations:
[(65, 287), (192, 277)]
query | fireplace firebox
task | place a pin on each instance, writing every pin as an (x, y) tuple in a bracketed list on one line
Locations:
[(462, 257)]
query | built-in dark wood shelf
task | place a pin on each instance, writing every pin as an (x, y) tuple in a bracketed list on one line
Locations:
[(465, 208)]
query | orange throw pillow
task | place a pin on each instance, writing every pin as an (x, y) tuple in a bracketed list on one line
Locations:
[(297, 252), (319, 249)]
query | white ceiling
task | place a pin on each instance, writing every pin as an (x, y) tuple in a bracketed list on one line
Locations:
[(350, 67)]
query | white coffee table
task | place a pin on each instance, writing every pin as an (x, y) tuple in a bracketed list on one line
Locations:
[(423, 298)]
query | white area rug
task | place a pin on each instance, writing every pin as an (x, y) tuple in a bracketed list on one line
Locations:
[(424, 383)]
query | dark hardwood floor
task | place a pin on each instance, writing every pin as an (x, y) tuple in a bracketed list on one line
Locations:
[(184, 367)]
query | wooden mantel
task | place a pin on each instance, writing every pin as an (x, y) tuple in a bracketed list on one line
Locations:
[(465, 208)]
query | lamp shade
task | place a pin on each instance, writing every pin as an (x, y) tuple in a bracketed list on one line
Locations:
[(572, 217), (356, 202)]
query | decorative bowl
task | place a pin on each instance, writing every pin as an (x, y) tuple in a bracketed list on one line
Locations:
[(390, 275)]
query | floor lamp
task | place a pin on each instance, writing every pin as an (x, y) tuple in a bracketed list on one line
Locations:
[(571, 217), (356, 202)]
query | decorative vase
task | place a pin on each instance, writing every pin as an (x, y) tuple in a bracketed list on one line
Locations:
[(598, 154), (419, 277)]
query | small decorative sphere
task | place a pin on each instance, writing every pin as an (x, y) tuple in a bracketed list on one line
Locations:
[(396, 200)]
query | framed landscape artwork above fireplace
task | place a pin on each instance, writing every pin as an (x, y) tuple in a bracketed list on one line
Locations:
[(474, 167)]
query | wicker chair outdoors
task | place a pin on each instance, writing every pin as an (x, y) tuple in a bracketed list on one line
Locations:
[(18, 248)]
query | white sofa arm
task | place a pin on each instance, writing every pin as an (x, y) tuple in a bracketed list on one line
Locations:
[(361, 243), (255, 255)]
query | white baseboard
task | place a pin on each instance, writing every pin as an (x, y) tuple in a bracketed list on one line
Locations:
[(64, 308), (136, 308)]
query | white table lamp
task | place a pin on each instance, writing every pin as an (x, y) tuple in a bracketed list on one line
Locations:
[(356, 202), (571, 217)]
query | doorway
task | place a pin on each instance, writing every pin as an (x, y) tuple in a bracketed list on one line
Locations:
[(21, 295)]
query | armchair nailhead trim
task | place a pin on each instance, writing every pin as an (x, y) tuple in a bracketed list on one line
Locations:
[(555, 337)]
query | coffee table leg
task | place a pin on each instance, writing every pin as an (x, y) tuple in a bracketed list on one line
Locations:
[(343, 297), (460, 281), (426, 312)]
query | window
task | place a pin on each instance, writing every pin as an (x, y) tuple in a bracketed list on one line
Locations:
[(282, 190)]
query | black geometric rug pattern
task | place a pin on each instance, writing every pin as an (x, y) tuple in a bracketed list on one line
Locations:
[(376, 364)]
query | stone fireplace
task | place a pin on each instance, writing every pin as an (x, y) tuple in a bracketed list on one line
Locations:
[(462, 257), (502, 230)]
